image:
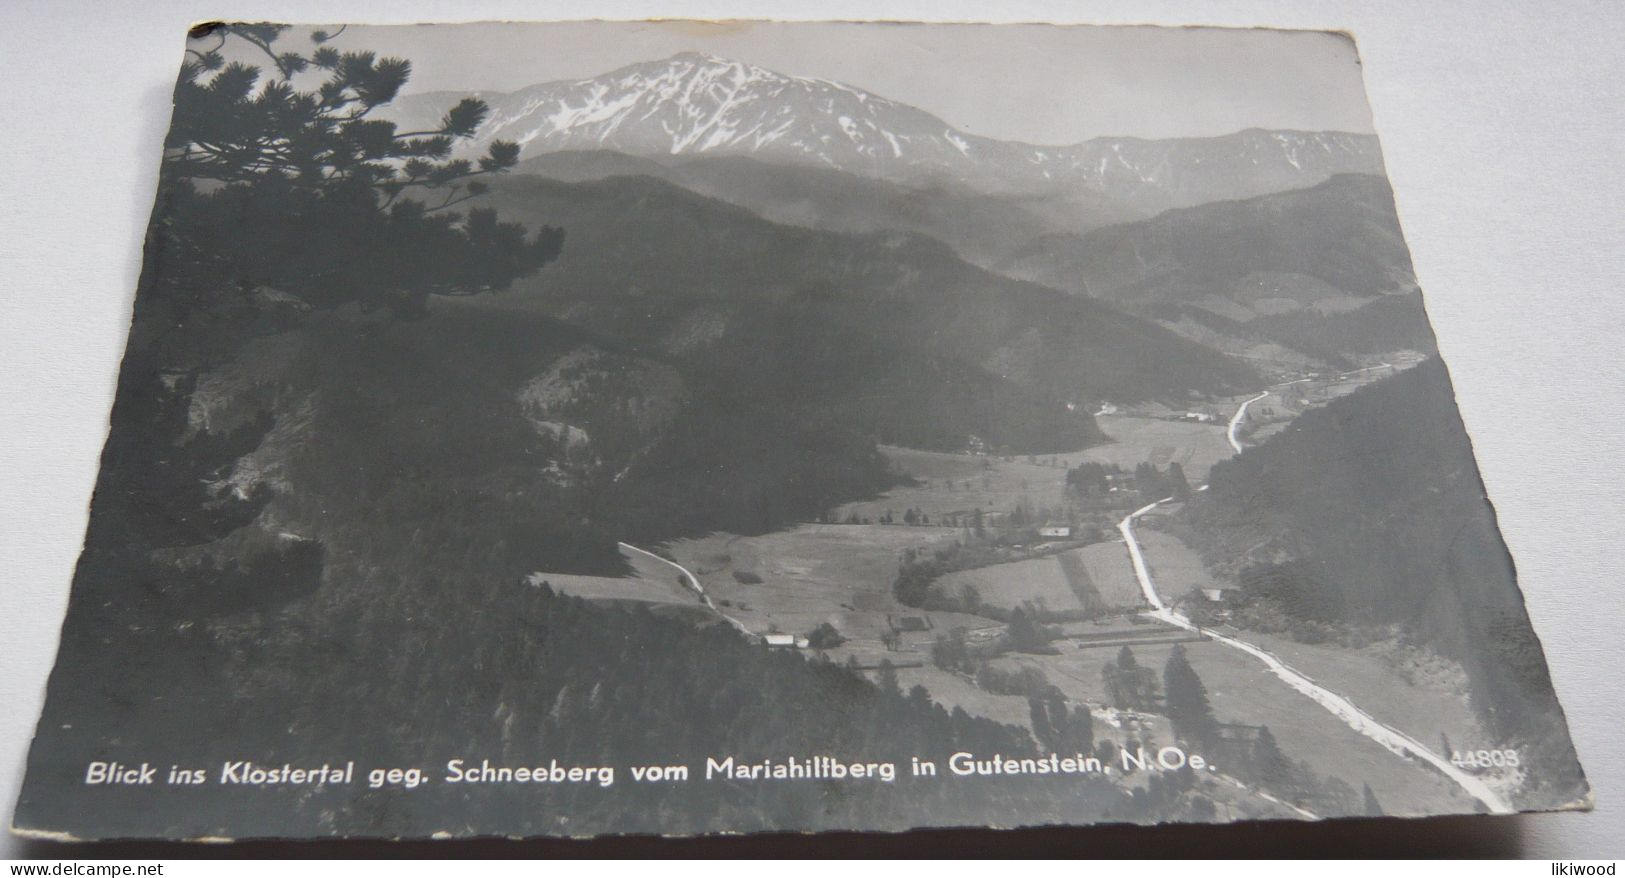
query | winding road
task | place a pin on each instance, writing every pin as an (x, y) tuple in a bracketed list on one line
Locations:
[(1241, 413), (1237, 418), (692, 583), (1390, 738)]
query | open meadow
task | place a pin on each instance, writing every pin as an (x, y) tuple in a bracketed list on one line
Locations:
[(1039, 581), (795, 580), (1194, 446), (956, 484), (1242, 690), (650, 581), (1107, 566), (1423, 698)]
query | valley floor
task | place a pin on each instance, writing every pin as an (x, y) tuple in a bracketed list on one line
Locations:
[(795, 580), (1243, 690)]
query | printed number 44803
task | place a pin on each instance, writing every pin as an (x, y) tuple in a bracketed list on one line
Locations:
[(1484, 758)]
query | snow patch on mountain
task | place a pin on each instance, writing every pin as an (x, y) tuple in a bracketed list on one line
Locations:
[(694, 103)]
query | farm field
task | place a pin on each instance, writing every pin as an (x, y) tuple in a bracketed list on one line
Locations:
[(795, 580), (1042, 581), (1242, 690), (1107, 565), (1096, 577), (650, 581), (1194, 446), (1423, 709), (820, 573), (952, 690), (1175, 568), (950, 484), (1256, 697)]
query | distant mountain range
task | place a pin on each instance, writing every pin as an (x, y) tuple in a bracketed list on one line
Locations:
[(1297, 269), (1338, 239), (1323, 271), (1265, 245), (698, 104), (983, 228)]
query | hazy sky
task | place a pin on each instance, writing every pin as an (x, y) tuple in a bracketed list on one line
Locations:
[(1037, 83)]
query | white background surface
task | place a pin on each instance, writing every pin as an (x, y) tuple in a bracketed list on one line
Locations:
[(1503, 125)]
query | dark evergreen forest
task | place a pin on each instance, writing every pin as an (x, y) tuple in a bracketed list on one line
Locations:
[(1370, 512), (319, 497)]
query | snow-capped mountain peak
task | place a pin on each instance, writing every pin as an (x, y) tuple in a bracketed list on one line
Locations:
[(694, 103)]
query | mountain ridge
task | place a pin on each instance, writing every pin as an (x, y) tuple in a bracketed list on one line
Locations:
[(693, 103), (983, 228), (677, 272)]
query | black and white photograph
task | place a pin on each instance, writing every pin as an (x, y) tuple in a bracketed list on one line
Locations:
[(678, 428)]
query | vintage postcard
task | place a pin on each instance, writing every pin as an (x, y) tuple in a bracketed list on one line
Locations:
[(673, 427)]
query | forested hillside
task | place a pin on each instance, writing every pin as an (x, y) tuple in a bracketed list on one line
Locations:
[(1370, 512), (1386, 323), (385, 388), (672, 272), (1323, 271), (1337, 338), (1340, 237), (982, 227), (327, 475)]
